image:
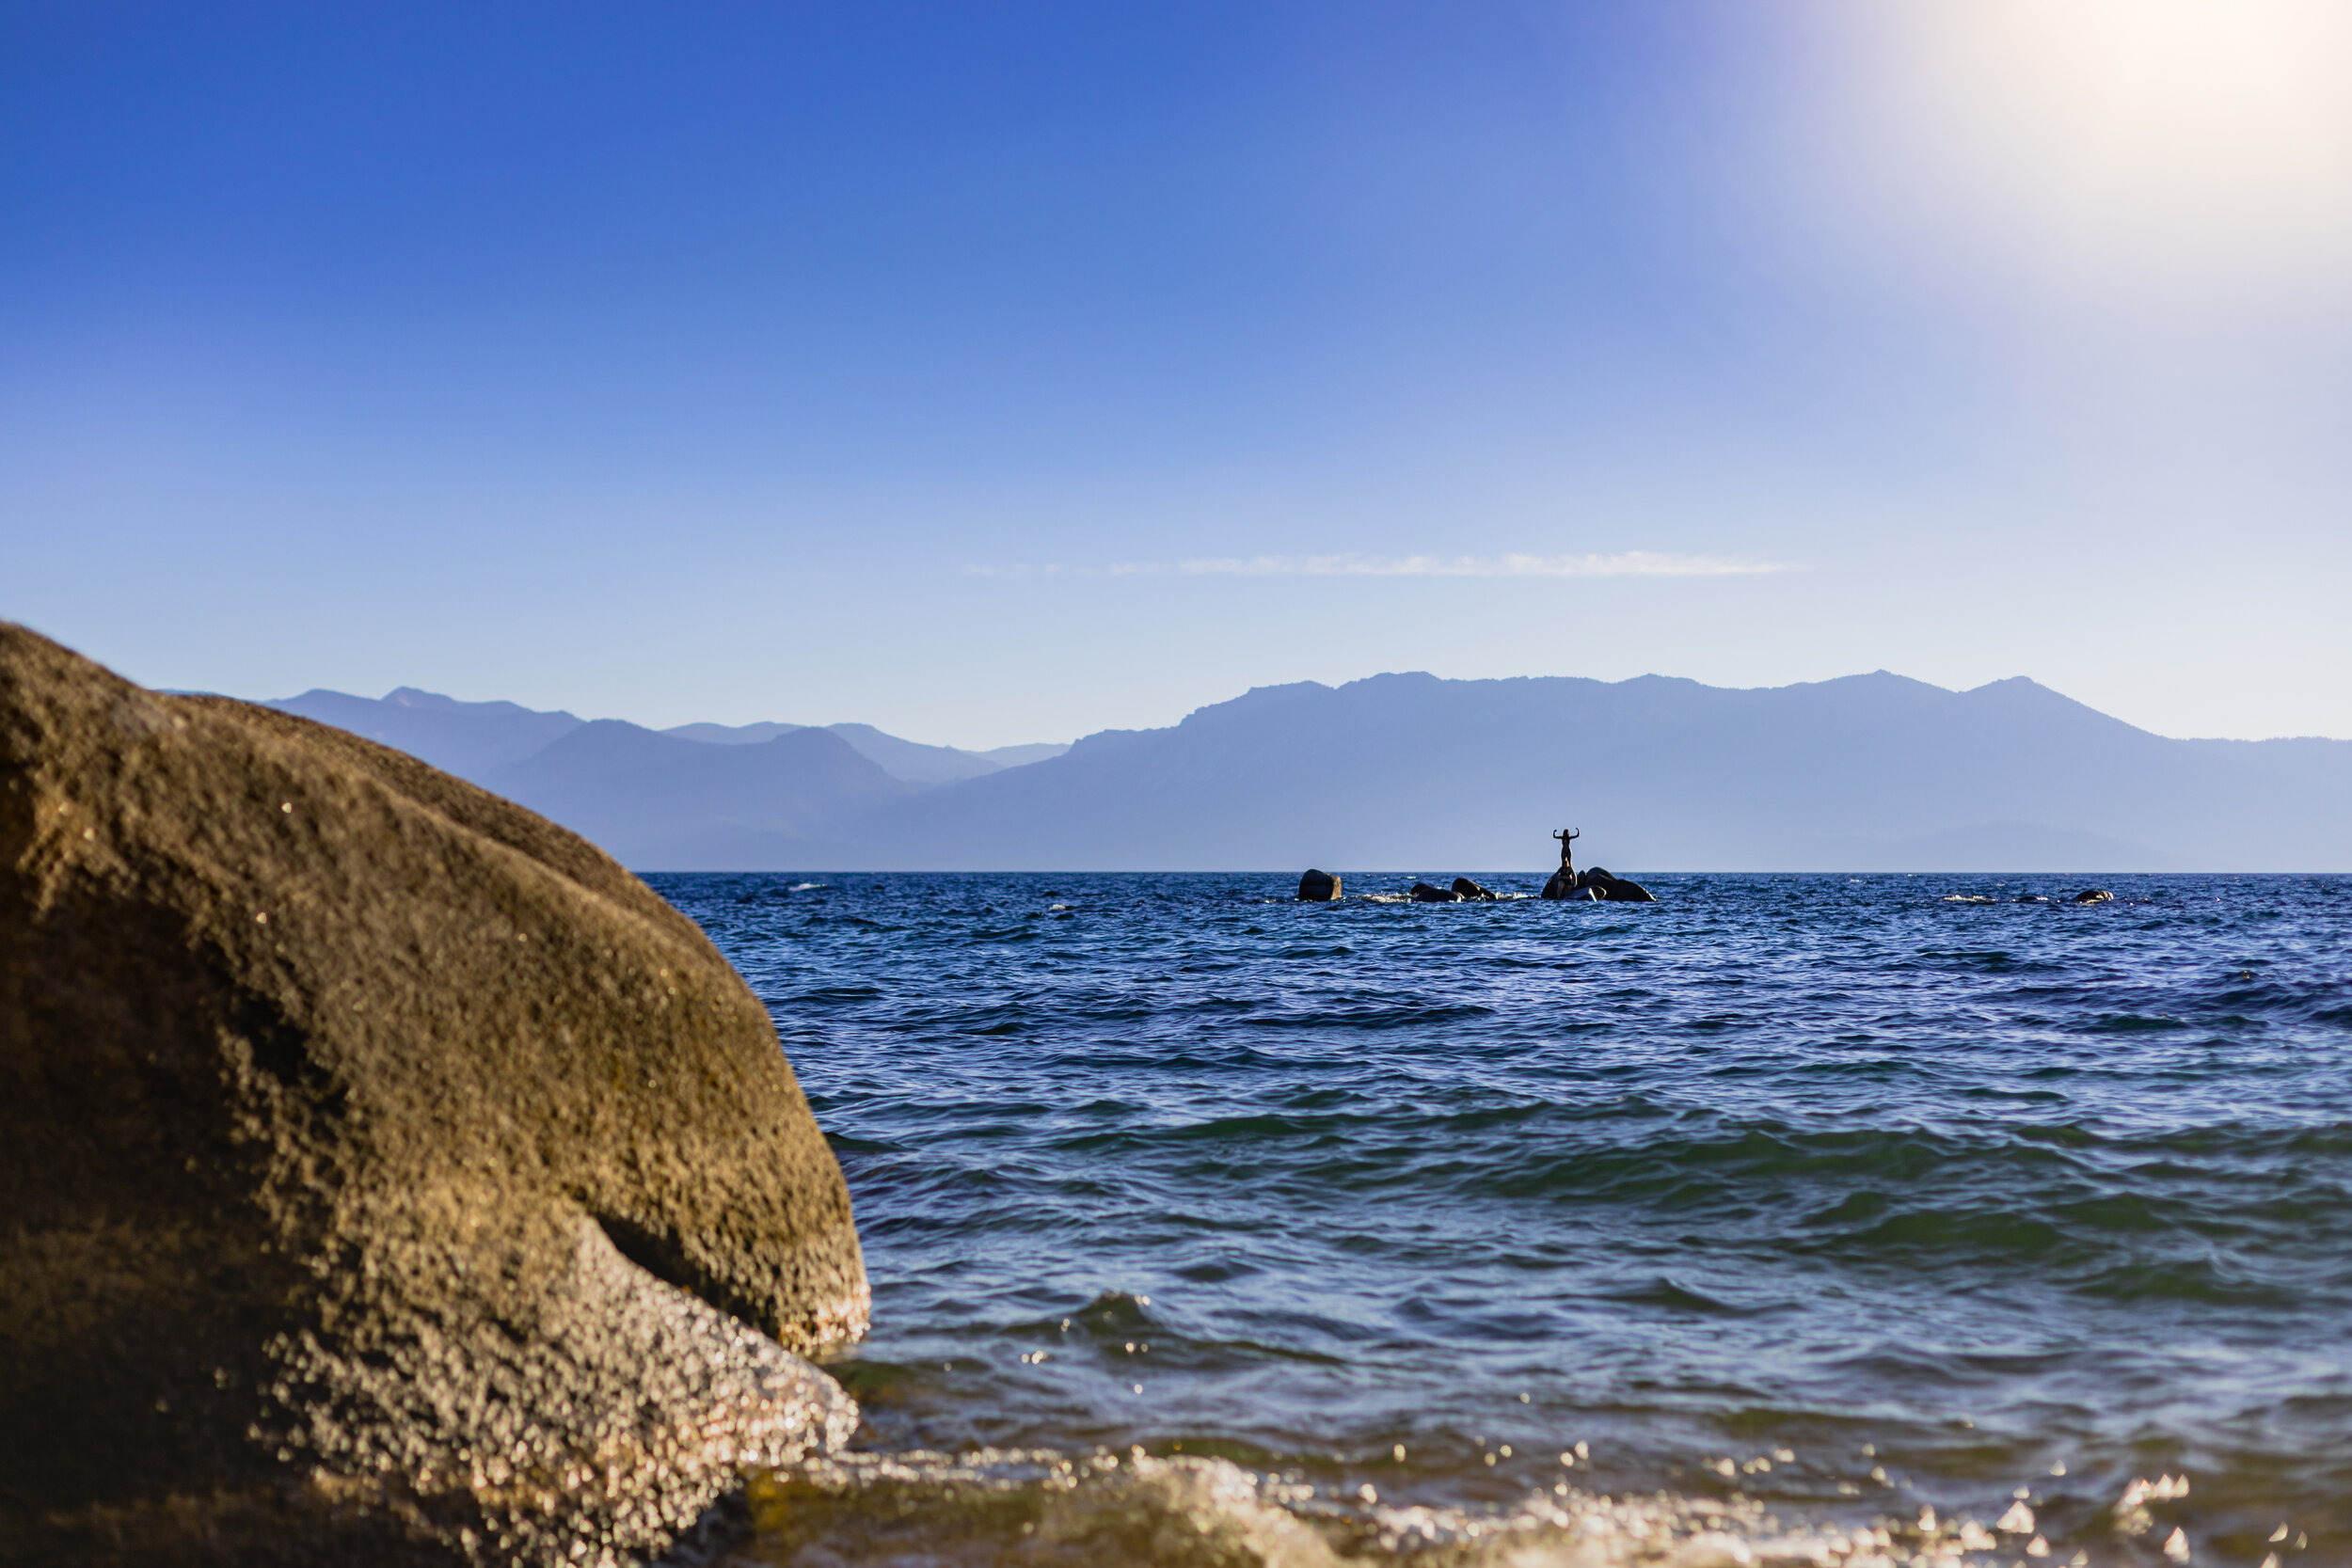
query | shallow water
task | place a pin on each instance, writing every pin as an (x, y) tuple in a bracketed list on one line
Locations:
[(1876, 1201)]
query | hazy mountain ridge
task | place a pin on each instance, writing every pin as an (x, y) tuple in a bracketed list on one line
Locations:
[(473, 739), (468, 739), (654, 799), (1866, 772), (732, 734), (911, 760)]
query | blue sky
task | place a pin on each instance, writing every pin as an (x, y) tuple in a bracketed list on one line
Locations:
[(1007, 371)]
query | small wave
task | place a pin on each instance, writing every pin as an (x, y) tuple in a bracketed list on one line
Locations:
[(827, 995), (1039, 1507), (1674, 1296), (1402, 1016), (990, 937)]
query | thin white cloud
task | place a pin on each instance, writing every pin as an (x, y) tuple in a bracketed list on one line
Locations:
[(1049, 569), (1625, 563)]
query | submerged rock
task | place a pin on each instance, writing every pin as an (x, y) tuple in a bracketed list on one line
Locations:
[(389, 1177), (2095, 896), (1318, 887), (1465, 888), (1424, 892)]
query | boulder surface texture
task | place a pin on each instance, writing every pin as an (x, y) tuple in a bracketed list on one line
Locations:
[(386, 1176)]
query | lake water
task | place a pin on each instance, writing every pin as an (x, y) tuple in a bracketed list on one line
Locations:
[(1205, 1226)]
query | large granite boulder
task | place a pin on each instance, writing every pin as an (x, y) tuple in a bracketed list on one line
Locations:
[(1466, 889), (386, 1176), (1318, 887), (1428, 893)]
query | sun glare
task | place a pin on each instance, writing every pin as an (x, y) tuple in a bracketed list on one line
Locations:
[(2147, 146)]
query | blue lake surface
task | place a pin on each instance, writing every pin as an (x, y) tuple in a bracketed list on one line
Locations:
[(1876, 1200)]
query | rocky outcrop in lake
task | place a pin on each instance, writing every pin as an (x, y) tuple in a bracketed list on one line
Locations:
[(1597, 886), (1615, 890), (388, 1176)]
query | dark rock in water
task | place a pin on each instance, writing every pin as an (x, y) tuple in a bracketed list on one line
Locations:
[(1318, 887), (1425, 894), (2093, 895), (1614, 889), (1466, 889), (1595, 884), (388, 1176)]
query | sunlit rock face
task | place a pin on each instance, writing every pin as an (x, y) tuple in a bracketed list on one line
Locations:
[(388, 1176)]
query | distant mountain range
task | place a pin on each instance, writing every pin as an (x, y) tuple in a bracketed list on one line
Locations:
[(1410, 772), (697, 796), (470, 739)]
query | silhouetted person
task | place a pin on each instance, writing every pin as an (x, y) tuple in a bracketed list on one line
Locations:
[(1563, 882)]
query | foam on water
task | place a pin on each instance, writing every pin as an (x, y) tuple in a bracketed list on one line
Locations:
[(1813, 1208), (1042, 1507)]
